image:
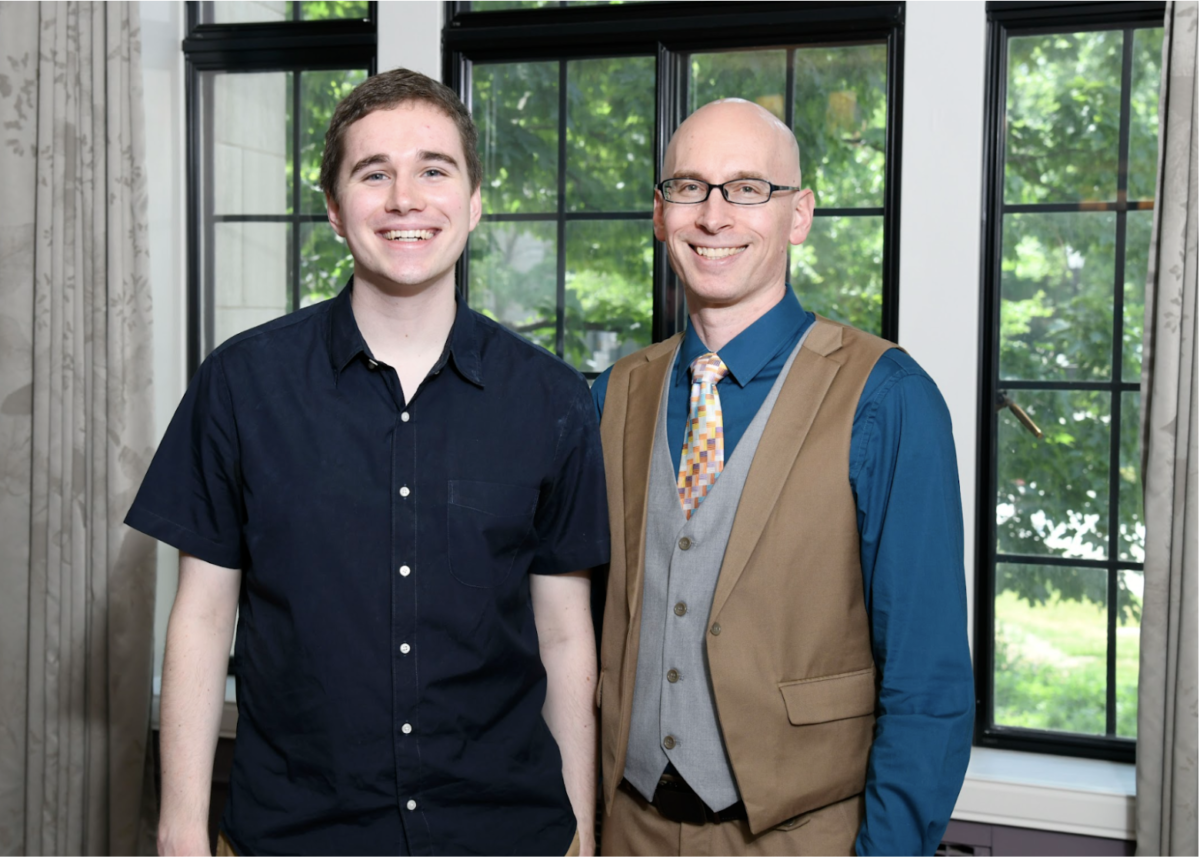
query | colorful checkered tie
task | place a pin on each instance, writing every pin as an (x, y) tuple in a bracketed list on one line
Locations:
[(704, 446)]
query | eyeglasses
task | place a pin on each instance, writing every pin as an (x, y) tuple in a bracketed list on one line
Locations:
[(738, 191)]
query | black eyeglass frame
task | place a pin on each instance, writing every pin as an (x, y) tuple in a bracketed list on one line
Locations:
[(711, 187)]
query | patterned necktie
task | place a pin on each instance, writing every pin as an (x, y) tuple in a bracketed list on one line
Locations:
[(704, 446)]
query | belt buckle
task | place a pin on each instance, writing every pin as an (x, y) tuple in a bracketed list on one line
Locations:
[(680, 806)]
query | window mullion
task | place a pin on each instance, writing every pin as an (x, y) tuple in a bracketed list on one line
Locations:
[(560, 293)]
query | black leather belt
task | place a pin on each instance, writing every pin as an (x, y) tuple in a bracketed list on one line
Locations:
[(675, 801)]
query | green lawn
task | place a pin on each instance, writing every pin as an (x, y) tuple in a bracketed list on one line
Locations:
[(1050, 666)]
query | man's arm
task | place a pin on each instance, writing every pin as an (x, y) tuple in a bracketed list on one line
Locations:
[(193, 693), (562, 613), (910, 520)]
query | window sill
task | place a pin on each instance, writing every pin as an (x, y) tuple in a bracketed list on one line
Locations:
[(1088, 797), (228, 710)]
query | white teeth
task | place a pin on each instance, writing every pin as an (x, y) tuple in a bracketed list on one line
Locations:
[(408, 235), (717, 252)]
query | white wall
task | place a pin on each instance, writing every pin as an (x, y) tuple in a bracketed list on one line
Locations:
[(162, 80), (410, 36), (941, 187)]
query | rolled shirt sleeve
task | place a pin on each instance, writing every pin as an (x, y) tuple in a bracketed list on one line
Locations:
[(905, 477)]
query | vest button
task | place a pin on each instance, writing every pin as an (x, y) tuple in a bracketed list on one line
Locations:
[(669, 742), (685, 543), (672, 676), (680, 609), (716, 628)]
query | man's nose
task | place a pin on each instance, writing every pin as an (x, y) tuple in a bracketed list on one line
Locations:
[(405, 195), (715, 213)]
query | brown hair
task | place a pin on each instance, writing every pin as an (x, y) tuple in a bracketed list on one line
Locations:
[(383, 92)]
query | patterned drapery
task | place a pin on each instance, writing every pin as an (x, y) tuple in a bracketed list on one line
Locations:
[(1167, 721), (76, 433)]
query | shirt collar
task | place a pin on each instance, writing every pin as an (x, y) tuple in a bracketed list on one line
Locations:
[(747, 353), (464, 346)]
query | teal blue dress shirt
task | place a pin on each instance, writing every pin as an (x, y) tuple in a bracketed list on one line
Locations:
[(904, 477)]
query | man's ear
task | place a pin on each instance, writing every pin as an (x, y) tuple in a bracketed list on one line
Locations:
[(660, 229), (802, 216), (334, 213), (476, 208)]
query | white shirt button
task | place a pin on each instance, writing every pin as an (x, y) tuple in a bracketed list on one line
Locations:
[(404, 417), (412, 804), (404, 492), (406, 728), (405, 648), (405, 571)]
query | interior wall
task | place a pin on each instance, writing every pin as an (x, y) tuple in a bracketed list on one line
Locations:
[(941, 183)]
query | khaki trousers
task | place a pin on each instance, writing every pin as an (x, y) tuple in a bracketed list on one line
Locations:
[(635, 827)]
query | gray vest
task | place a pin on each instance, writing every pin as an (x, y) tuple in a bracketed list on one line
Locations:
[(674, 715)]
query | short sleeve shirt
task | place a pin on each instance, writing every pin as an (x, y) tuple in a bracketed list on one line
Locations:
[(388, 677)]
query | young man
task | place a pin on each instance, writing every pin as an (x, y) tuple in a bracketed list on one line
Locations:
[(784, 667), (402, 498)]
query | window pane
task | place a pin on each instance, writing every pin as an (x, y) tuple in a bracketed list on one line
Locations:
[(1129, 630), (512, 269), (609, 299), (1131, 544), (1064, 109), (250, 283), (1052, 494), (1056, 290), (841, 123), (1051, 643), (320, 92), (272, 11), (515, 106), (1143, 105), (325, 263), (838, 270), (251, 139), (610, 134), (758, 76), (324, 10), (1137, 261)]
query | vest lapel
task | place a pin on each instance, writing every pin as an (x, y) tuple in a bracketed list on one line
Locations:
[(641, 416), (799, 401)]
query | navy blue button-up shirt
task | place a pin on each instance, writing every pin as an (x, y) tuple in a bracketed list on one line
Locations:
[(389, 683), (905, 482)]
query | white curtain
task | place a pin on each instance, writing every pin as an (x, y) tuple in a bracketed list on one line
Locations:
[(76, 434), (1167, 716)]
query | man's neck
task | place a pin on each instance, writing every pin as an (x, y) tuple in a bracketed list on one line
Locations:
[(718, 325), (405, 330)]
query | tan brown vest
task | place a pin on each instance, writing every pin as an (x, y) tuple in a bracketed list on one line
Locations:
[(788, 643)]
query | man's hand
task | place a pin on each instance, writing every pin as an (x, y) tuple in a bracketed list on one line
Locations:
[(193, 693), (563, 615)]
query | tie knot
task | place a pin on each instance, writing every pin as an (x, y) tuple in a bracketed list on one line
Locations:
[(708, 369)]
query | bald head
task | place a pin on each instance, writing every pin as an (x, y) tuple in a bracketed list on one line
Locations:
[(734, 124)]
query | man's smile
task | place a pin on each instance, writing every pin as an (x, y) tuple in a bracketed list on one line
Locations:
[(409, 234), (717, 252)]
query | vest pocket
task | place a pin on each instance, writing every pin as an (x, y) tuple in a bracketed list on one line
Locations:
[(486, 523), (832, 697)]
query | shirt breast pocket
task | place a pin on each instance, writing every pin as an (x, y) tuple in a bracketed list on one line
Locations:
[(486, 525)]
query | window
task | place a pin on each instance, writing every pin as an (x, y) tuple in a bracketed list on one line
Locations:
[(263, 80), (1073, 129), (575, 107)]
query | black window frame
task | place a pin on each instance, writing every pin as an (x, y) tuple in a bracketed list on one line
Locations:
[(670, 32), (291, 46), (1005, 20)]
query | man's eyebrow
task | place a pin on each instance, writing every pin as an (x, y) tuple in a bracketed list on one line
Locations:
[(369, 161), (740, 174), (441, 157)]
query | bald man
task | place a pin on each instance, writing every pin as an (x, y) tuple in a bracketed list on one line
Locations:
[(784, 665)]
